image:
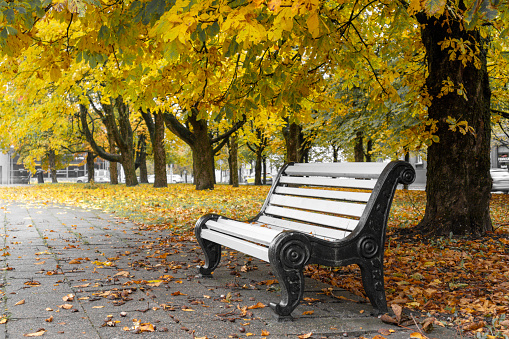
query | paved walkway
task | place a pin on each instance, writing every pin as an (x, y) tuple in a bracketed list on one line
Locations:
[(73, 273)]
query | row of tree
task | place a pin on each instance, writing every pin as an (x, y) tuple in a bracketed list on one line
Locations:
[(397, 75)]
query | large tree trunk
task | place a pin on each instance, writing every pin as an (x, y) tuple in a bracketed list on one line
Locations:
[(458, 180), (291, 134), (203, 155), (159, 152), (358, 148)]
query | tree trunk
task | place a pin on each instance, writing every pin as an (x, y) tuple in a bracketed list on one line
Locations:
[(159, 152), (369, 148), (458, 179), (52, 166), (233, 160), (291, 134), (335, 153), (141, 159), (113, 173), (90, 166), (258, 168), (112, 149), (203, 155), (264, 163), (358, 147)]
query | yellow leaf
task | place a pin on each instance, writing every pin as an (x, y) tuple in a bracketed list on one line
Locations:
[(308, 312), (3, 320), (416, 335), (21, 302), (265, 332), (314, 25), (305, 336), (35, 334)]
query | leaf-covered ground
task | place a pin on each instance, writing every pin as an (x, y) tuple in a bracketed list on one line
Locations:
[(462, 282)]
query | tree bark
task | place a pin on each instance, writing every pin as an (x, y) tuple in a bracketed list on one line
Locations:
[(233, 160), (458, 179), (159, 152), (52, 166), (90, 166), (358, 147), (291, 134), (141, 159), (155, 126), (112, 149)]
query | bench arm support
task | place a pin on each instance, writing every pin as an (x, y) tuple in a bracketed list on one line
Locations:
[(289, 252), (211, 250)]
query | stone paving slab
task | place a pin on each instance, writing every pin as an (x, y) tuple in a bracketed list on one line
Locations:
[(120, 278)]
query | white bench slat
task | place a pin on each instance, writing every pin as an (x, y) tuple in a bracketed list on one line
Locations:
[(320, 219), (262, 235), (319, 205), (333, 182), (327, 194), (249, 248), (349, 170), (329, 234)]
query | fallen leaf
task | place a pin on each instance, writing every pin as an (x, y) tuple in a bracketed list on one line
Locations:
[(398, 310), (265, 332), (305, 336), (21, 302), (3, 320), (388, 319), (308, 312), (82, 286), (178, 293), (40, 263), (474, 326), (50, 319), (65, 306), (36, 334), (257, 305), (417, 335), (427, 325), (69, 297), (97, 306), (123, 274)]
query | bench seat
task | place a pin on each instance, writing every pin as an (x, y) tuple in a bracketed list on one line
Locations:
[(330, 214)]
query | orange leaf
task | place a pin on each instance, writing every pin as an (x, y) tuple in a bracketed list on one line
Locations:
[(257, 305), (21, 302), (305, 336), (265, 332), (178, 293), (308, 312)]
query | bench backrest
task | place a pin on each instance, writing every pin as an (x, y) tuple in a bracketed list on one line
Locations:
[(327, 200)]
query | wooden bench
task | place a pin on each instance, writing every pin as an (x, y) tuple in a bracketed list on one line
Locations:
[(332, 214)]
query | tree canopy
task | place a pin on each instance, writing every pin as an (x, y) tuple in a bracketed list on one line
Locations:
[(361, 66)]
